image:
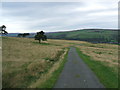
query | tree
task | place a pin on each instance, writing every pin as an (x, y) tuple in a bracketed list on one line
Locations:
[(2, 30), (20, 35), (40, 36), (23, 35)]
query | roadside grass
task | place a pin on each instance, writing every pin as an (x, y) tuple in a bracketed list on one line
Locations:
[(54, 77), (106, 53), (106, 74)]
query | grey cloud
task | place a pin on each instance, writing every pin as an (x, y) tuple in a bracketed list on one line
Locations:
[(58, 16)]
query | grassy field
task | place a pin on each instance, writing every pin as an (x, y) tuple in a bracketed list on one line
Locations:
[(107, 53), (103, 60), (25, 60), (91, 35), (107, 76), (26, 63), (54, 76)]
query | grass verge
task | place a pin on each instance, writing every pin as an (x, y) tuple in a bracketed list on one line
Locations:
[(105, 74), (54, 77)]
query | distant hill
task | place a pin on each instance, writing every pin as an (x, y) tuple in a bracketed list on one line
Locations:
[(16, 35), (90, 35), (11, 34)]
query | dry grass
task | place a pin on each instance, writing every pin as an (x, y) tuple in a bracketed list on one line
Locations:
[(65, 43), (106, 53), (24, 60), (26, 63), (46, 76)]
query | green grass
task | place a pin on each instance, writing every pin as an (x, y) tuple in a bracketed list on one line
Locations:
[(52, 80), (95, 35), (105, 74)]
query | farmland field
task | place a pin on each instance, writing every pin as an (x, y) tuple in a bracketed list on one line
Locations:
[(90, 35), (26, 63)]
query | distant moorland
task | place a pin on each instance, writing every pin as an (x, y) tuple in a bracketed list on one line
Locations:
[(90, 35)]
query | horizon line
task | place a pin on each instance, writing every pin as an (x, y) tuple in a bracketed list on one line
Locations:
[(69, 30)]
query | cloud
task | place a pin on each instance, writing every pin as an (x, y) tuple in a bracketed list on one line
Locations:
[(59, 16)]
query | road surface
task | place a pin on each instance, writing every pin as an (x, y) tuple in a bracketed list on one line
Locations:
[(76, 74)]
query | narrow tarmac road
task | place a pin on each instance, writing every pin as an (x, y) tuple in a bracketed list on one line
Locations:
[(76, 74)]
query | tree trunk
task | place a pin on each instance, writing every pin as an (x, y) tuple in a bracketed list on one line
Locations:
[(39, 40)]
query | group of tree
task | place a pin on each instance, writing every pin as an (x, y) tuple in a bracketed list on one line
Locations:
[(3, 30), (23, 34), (39, 36)]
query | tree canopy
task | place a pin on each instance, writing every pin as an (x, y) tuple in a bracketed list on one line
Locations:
[(40, 36), (23, 35), (2, 30)]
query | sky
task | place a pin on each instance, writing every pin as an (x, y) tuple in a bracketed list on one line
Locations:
[(24, 17)]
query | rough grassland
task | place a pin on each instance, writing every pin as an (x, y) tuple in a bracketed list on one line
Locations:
[(26, 63), (106, 75), (106, 53), (103, 60)]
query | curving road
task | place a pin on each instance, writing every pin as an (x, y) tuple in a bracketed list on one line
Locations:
[(76, 74)]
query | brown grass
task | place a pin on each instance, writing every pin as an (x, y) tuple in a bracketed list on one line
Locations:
[(106, 53), (24, 60), (26, 63), (47, 75)]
